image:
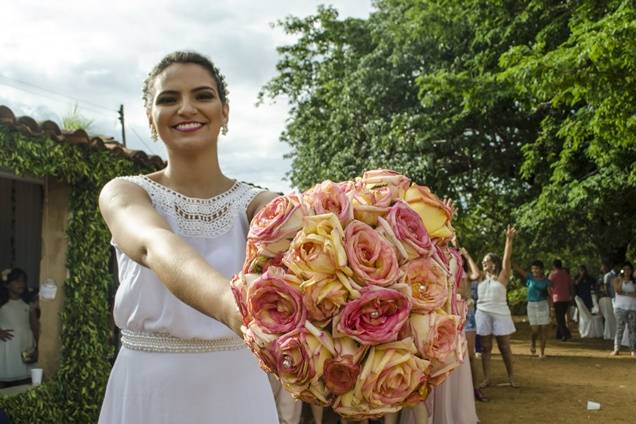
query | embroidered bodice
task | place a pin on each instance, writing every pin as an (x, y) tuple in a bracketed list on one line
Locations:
[(216, 228)]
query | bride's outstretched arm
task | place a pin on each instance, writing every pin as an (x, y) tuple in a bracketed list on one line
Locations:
[(146, 237)]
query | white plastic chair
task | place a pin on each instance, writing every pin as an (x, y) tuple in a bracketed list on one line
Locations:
[(607, 310), (590, 326)]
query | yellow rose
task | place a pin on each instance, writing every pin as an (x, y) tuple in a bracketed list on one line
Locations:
[(436, 215), (318, 248)]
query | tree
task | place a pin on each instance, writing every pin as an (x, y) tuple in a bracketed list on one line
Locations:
[(587, 88), (435, 90)]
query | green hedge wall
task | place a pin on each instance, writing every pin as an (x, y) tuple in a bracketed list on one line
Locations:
[(74, 394)]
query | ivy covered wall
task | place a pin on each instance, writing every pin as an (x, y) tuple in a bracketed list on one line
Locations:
[(74, 394)]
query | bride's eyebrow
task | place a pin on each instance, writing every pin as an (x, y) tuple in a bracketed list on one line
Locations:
[(176, 92), (167, 92), (204, 87)]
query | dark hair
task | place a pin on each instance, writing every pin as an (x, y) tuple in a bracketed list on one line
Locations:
[(16, 274), (496, 260), (537, 263), (629, 264), (184, 57), (557, 263)]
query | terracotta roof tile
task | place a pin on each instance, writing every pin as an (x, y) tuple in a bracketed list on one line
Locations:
[(29, 126)]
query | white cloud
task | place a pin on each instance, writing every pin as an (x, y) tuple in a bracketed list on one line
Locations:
[(100, 52)]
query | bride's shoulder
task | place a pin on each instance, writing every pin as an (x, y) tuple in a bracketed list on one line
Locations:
[(259, 201)]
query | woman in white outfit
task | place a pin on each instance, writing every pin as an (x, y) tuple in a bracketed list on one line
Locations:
[(493, 316), (180, 235), (625, 308)]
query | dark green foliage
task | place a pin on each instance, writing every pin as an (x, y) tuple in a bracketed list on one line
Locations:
[(75, 393), (523, 111)]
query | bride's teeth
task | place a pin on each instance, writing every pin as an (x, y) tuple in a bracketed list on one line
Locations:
[(188, 126)]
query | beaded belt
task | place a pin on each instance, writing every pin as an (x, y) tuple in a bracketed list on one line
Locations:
[(163, 342)]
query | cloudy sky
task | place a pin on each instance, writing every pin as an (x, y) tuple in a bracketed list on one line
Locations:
[(96, 54)]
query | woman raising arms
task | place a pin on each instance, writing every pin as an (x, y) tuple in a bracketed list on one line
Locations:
[(180, 235), (493, 316)]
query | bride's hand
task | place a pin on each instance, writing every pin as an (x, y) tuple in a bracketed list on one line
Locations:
[(233, 318)]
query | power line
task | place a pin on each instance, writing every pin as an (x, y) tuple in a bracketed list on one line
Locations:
[(142, 140), (86, 103)]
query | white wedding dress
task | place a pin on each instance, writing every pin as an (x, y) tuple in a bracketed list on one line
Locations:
[(158, 376)]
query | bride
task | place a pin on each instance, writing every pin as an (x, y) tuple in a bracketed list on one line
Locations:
[(179, 235)]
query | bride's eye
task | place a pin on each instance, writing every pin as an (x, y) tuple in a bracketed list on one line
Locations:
[(165, 100), (205, 96)]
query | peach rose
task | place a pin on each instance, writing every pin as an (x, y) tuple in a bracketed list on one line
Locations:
[(371, 256), (388, 185), (273, 226), (341, 371), (300, 360), (375, 192), (390, 375), (330, 197), (262, 345), (440, 370), (324, 296), (239, 284), (435, 334), (428, 282)]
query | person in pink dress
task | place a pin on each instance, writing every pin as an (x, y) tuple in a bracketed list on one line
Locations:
[(561, 292)]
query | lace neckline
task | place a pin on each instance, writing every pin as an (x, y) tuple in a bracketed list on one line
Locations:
[(196, 217), (212, 199)]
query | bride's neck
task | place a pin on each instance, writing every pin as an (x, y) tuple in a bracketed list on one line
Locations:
[(195, 176)]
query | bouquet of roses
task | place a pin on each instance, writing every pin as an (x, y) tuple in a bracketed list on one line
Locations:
[(348, 293)]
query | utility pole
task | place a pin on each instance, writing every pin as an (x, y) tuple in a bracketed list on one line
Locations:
[(123, 128)]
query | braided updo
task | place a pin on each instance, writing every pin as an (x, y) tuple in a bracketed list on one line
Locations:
[(184, 57)]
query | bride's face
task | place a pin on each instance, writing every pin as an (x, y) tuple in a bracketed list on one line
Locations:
[(187, 111)]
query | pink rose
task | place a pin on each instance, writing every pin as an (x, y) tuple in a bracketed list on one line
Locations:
[(273, 226), (341, 372), (428, 282), (275, 302), (371, 257), (376, 317), (406, 230), (329, 197)]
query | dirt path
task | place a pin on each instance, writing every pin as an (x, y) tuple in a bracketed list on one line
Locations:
[(556, 389)]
